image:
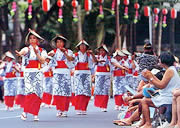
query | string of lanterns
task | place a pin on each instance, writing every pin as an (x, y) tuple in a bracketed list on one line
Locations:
[(164, 11), (88, 7)]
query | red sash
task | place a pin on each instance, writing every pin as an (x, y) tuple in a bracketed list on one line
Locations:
[(34, 64), (82, 66), (119, 73), (103, 68), (10, 75), (61, 64)]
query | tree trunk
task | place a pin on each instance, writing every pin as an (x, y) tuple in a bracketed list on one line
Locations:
[(159, 35), (1, 49), (131, 37), (172, 35), (134, 42), (80, 35), (17, 33)]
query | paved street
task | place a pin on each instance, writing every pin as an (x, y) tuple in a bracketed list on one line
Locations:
[(94, 118)]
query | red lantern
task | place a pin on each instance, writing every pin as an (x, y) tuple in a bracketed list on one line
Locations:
[(88, 5), (156, 11), (113, 6), (164, 12), (60, 3), (30, 1), (146, 11), (75, 4), (173, 13), (45, 5), (156, 18), (30, 9), (101, 13), (136, 6), (126, 2), (100, 1)]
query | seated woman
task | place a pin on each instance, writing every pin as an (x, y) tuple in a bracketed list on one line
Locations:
[(134, 100), (170, 81), (175, 109)]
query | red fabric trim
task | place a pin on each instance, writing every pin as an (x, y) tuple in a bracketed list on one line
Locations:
[(62, 102), (119, 73), (47, 98), (118, 100), (82, 102), (101, 101), (48, 74), (10, 75), (135, 73), (130, 71), (19, 100), (9, 101), (82, 66), (73, 99), (33, 64), (21, 74), (61, 64), (103, 68), (32, 104)]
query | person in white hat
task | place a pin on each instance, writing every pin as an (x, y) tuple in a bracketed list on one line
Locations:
[(61, 75), (47, 82), (10, 81), (20, 96), (132, 73), (119, 78), (102, 78), (33, 58), (84, 64)]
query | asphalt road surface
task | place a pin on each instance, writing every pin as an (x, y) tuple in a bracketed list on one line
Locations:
[(94, 118)]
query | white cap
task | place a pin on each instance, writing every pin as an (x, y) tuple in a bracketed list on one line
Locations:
[(104, 47), (124, 48), (118, 52), (10, 55), (53, 43), (35, 34), (82, 42)]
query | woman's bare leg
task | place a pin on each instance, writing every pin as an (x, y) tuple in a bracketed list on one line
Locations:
[(174, 112)]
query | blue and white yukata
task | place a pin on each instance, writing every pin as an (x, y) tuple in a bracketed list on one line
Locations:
[(20, 97), (33, 77), (102, 81), (119, 82), (82, 79), (47, 83), (10, 83), (61, 79)]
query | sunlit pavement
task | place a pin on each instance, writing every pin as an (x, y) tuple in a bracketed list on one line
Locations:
[(94, 118)]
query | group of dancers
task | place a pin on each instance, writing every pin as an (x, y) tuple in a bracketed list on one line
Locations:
[(61, 76)]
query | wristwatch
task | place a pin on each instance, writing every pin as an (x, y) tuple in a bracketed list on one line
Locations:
[(151, 79)]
